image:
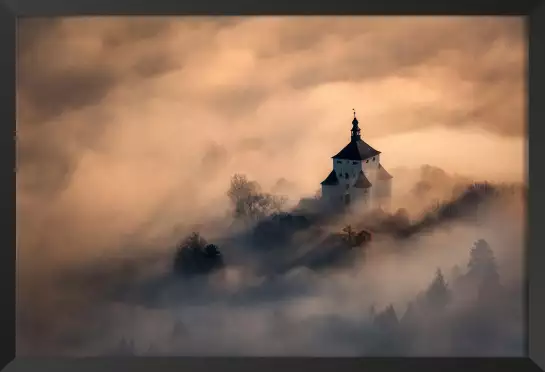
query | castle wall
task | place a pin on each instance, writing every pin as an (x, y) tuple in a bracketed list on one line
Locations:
[(332, 194), (369, 166), (361, 196), (346, 167), (371, 197), (353, 167)]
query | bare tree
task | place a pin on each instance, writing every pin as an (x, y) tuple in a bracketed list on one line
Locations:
[(349, 236), (249, 203)]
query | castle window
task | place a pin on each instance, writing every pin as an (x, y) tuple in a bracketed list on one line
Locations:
[(347, 186), (346, 175), (339, 162), (355, 163), (367, 161), (373, 158)]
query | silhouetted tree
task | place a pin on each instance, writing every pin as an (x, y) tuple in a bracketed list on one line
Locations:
[(349, 235), (409, 317), (387, 320), (386, 339), (421, 188), (455, 273), (431, 173), (195, 256), (211, 250), (278, 229), (438, 293), (409, 326), (249, 203), (482, 263), (402, 216), (372, 312), (398, 222), (482, 269)]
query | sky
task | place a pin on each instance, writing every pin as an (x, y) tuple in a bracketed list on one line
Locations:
[(118, 117), (129, 126)]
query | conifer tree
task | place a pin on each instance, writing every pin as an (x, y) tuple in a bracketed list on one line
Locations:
[(438, 293), (455, 273), (483, 270), (409, 315), (372, 312), (482, 264), (387, 320)]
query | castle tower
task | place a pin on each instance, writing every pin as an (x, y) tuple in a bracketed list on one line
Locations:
[(357, 174)]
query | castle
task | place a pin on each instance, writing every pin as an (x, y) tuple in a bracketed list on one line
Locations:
[(357, 175)]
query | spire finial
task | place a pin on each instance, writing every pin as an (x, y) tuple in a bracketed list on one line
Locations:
[(355, 128)]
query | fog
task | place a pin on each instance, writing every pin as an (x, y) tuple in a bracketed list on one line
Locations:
[(129, 130)]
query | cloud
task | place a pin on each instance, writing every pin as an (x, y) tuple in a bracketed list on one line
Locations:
[(130, 128), (121, 112)]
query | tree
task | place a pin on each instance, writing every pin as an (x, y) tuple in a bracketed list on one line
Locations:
[(421, 188), (395, 223), (401, 219), (211, 250), (386, 339), (240, 192), (195, 241), (387, 320), (349, 236), (456, 278), (372, 312), (249, 203), (438, 294), (195, 256), (482, 263), (409, 316), (455, 273), (483, 270)]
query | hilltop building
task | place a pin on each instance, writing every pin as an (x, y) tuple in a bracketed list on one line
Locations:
[(357, 175)]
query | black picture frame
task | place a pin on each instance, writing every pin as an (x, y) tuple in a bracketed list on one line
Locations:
[(534, 11)]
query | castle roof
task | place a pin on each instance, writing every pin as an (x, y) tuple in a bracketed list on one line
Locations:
[(331, 180), (357, 149), (362, 182), (383, 174)]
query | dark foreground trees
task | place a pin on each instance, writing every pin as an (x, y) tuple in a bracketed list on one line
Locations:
[(195, 256)]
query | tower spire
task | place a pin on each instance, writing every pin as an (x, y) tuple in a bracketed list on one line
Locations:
[(355, 129)]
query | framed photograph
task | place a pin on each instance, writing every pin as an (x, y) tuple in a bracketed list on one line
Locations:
[(243, 186)]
